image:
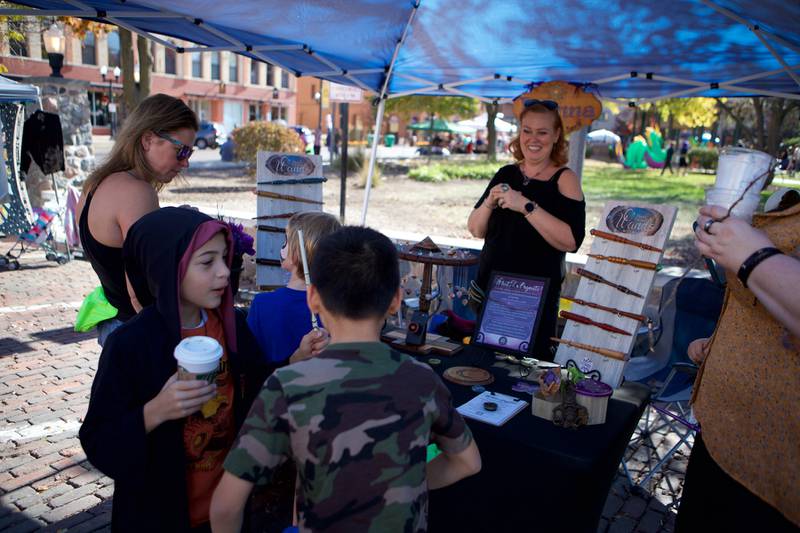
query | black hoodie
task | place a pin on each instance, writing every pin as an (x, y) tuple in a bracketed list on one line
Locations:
[(149, 470)]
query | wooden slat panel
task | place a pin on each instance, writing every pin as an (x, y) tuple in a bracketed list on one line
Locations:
[(638, 280)]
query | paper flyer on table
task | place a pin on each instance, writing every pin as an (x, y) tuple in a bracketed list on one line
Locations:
[(507, 406)]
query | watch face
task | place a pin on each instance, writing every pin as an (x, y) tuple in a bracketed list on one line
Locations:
[(529, 207)]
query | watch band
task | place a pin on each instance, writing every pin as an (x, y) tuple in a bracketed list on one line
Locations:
[(755, 259)]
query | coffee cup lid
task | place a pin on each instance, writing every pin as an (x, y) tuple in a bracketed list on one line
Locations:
[(198, 350)]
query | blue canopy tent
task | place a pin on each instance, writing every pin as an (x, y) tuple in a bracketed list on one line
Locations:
[(637, 50)]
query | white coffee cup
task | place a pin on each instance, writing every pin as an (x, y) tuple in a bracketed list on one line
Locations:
[(744, 209), (738, 167), (198, 358)]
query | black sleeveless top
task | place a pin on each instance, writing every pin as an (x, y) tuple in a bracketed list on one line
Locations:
[(107, 263), (513, 245)]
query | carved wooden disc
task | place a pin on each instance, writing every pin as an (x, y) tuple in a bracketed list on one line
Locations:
[(468, 375)]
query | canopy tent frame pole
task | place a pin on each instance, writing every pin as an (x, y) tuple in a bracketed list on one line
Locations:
[(759, 32), (381, 107), (752, 27)]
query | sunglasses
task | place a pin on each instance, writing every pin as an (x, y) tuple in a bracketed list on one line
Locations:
[(183, 152), (549, 104)]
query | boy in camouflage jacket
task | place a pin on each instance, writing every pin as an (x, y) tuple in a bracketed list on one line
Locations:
[(357, 418)]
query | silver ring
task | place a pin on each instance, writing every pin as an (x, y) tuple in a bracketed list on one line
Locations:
[(504, 187), (707, 225)]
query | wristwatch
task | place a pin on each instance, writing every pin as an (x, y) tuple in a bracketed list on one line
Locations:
[(529, 208)]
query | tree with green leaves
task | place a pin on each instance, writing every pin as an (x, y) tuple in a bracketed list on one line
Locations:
[(443, 106)]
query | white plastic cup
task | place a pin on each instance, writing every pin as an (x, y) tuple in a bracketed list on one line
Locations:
[(198, 358), (725, 198), (738, 167)]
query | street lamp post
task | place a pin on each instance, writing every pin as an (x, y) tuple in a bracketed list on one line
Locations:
[(112, 107), (54, 43)]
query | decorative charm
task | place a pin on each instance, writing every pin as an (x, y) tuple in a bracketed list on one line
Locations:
[(550, 381), (570, 414), (634, 220), (586, 365)]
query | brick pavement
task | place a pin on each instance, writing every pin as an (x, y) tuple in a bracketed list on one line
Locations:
[(46, 371)]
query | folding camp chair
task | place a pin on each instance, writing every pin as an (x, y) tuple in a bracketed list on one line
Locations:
[(690, 313)]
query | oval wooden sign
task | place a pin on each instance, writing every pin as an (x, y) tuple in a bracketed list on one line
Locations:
[(634, 220), (576, 107), (290, 165)]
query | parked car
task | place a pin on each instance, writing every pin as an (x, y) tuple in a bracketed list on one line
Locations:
[(210, 134)]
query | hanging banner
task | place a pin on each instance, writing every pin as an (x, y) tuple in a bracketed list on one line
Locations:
[(576, 107)]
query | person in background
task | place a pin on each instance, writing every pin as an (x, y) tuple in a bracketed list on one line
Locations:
[(356, 419), (744, 471), (683, 158), (280, 320), (531, 214), (153, 146), (668, 158), (317, 141)]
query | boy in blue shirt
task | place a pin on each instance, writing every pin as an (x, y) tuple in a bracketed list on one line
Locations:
[(280, 320)]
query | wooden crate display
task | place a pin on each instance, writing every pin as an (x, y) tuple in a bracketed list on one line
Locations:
[(298, 186), (643, 223)]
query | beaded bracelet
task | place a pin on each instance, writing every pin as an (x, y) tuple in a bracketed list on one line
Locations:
[(753, 261)]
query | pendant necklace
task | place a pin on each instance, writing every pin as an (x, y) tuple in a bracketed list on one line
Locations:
[(527, 179)]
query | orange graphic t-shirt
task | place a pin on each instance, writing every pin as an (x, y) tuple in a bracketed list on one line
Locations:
[(209, 433)]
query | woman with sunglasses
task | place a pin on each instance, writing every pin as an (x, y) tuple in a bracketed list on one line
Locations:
[(531, 214), (153, 146)]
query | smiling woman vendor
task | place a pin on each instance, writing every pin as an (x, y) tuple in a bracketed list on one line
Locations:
[(532, 213)]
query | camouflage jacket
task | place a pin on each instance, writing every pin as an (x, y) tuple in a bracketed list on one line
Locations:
[(356, 420)]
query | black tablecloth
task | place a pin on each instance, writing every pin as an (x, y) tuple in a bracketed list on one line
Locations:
[(535, 476)]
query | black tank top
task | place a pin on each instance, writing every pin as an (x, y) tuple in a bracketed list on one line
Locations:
[(107, 264)]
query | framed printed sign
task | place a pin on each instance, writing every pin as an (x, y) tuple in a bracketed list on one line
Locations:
[(511, 314)]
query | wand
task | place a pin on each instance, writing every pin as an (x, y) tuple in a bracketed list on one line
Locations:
[(647, 265), (301, 181), (306, 272), (270, 217), (623, 240), (589, 322), (613, 354), (289, 197), (600, 279), (640, 318)]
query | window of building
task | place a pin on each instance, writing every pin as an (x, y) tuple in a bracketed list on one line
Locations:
[(18, 38), (279, 112), (233, 68), (197, 65), (98, 103), (215, 65), (270, 73), (253, 71), (113, 49), (254, 112), (89, 49), (284, 79), (170, 61)]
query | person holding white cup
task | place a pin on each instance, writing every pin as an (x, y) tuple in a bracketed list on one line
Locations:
[(174, 383), (746, 455)]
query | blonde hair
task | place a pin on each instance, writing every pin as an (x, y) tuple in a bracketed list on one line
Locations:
[(315, 226), (559, 155), (156, 113)]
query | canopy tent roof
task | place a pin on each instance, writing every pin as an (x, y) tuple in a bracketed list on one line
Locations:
[(440, 124), (12, 91), (627, 48)]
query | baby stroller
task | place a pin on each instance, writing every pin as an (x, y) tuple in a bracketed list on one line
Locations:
[(38, 237)]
